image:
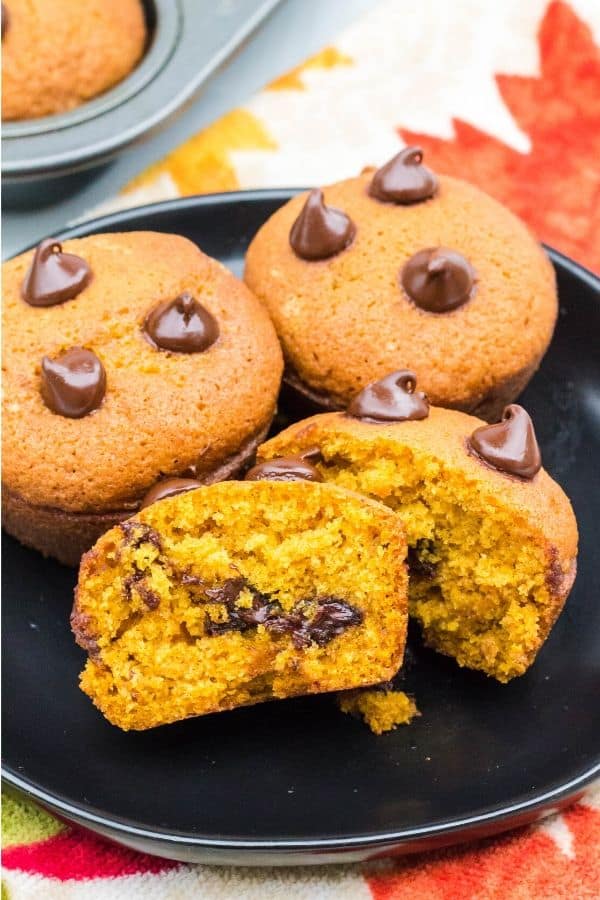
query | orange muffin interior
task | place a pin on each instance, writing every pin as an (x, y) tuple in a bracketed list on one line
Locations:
[(237, 593), (482, 572)]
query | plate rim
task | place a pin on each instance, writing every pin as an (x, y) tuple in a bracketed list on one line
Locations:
[(535, 802), (539, 803)]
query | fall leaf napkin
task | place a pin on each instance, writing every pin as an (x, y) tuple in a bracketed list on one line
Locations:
[(507, 95)]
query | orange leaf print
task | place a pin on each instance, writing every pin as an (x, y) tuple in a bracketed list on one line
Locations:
[(524, 865), (555, 187)]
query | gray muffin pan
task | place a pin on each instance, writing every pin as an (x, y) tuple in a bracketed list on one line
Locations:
[(188, 40)]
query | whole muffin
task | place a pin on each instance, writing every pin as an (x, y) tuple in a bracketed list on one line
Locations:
[(57, 55), (492, 538), (128, 358), (400, 268)]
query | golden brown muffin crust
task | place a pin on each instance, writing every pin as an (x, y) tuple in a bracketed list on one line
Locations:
[(162, 413), (57, 55), (345, 321), (67, 535)]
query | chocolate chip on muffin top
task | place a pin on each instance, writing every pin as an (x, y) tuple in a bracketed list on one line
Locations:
[(438, 280), (320, 231), (391, 399), (74, 383), (53, 276), (169, 487), (404, 179), (510, 445), (182, 325)]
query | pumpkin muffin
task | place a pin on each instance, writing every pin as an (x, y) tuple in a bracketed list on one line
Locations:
[(400, 268), (492, 538), (238, 593), (57, 55), (128, 359)]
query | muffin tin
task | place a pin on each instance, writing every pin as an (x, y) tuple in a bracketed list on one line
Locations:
[(188, 41)]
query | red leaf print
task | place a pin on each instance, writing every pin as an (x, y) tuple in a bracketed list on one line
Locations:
[(555, 187)]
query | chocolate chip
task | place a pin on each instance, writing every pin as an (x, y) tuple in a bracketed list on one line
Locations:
[(404, 179), (312, 454), (149, 597), (284, 468), (138, 533), (5, 20), (438, 280), (181, 325), (74, 383), (331, 618), (417, 566), (227, 592), (53, 276), (510, 445), (391, 399), (320, 231), (168, 487)]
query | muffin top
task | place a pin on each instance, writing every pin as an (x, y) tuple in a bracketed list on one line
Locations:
[(176, 364), (57, 55), (352, 283)]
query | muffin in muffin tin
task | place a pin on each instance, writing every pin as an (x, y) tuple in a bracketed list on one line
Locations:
[(57, 55)]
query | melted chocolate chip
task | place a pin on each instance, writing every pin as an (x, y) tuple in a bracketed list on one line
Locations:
[(227, 592), (168, 487), (284, 468), (320, 231), (81, 627), (74, 383), (392, 399), (438, 280), (54, 277), (149, 597), (138, 533), (331, 618), (404, 179), (312, 454), (238, 618), (509, 446), (5, 20), (182, 326)]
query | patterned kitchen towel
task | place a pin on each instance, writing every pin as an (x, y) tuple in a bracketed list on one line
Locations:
[(531, 137), (504, 94), (556, 860)]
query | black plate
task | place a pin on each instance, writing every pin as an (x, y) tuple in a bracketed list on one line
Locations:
[(298, 781)]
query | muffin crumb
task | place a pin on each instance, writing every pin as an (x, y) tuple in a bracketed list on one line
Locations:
[(381, 710)]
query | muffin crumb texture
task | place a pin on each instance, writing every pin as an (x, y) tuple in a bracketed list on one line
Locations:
[(381, 710), (237, 593), (491, 558)]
